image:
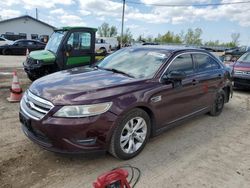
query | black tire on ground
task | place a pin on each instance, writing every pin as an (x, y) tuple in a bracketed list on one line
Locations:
[(104, 51), (137, 137), (6, 52), (218, 105)]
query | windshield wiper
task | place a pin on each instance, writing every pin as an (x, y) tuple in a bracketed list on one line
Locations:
[(115, 71), (120, 72)]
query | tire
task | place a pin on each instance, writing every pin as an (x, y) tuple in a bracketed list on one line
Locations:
[(128, 141), (218, 105), (104, 51), (7, 52)]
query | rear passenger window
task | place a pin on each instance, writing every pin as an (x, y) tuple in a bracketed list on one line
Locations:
[(205, 62), (182, 63)]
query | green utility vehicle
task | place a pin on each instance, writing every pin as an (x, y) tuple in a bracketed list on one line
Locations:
[(67, 47)]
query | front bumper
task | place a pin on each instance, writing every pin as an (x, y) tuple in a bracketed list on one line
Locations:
[(31, 68), (70, 135), (241, 81)]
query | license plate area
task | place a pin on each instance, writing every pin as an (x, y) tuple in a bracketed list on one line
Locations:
[(25, 121)]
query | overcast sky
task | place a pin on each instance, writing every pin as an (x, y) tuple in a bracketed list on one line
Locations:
[(217, 22)]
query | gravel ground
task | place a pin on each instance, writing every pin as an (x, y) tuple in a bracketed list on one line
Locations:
[(203, 152)]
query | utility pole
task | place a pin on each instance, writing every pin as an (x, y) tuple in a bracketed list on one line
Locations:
[(36, 14), (123, 10)]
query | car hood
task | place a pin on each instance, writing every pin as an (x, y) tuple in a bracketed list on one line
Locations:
[(43, 55), (83, 86), (242, 66)]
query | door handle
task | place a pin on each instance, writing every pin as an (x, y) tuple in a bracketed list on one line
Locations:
[(194, 81)]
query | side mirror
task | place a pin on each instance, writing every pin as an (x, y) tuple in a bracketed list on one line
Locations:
[(174, 76), (68, 48)]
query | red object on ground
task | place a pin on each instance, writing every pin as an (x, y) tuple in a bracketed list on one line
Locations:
[(15, 90), (113, 179)]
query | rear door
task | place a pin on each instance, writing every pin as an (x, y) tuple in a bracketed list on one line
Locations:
[(82, 52), (39, 45), (19, 48), (31, 45), (209, 75)]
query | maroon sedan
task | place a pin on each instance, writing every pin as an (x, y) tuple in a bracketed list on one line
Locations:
[(241, 71), (119, 103)]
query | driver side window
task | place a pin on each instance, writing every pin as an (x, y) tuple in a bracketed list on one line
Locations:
[(182, 63), (80, 40)]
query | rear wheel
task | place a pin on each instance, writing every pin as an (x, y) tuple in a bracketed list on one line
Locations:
[(7, 52), (218, 105), (104, 51), (131, 135)]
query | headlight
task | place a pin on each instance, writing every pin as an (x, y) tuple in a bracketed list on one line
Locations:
[(83, 110)]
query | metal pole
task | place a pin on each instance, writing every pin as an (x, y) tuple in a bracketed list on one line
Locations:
[(36, 14), (123, 10)]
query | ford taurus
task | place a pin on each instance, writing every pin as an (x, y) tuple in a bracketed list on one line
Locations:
[(122, 101)]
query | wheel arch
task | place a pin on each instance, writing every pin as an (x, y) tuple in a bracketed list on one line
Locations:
[(227, 90), (151, 116)]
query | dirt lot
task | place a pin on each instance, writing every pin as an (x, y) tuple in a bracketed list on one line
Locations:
[(204, 152)]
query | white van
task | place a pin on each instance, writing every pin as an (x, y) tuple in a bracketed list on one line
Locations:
[(112, 41)]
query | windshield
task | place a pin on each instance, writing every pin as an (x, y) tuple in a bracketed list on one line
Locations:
[(139, 63), (55, 41), (245, 57)]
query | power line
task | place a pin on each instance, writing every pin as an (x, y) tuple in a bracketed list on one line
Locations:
[(188, 5)]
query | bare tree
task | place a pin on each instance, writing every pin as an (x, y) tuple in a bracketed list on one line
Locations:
[(105, 31), (235, 38)]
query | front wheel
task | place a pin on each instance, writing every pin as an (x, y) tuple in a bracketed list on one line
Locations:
[(218, 105), (131, 135)]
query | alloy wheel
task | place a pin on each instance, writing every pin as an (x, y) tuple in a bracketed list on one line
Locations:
[(133, 135)]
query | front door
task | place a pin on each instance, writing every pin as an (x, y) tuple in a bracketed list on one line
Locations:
[(82, 52), (180, 99)]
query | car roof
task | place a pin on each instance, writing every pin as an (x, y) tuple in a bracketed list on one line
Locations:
[(169, 48), (30, 40)]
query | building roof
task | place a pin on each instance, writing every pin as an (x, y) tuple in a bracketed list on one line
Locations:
[(27, 16), (75, 27)]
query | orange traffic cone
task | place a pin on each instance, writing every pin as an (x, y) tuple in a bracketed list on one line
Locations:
[(27, 52), (15, 90)]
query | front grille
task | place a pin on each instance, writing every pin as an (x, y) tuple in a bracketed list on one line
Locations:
[(241, 80), (242, 72), (34, 106)]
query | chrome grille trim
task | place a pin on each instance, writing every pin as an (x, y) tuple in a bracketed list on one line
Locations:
[(34, 106)]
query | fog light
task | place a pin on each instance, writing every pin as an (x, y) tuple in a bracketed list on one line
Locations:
[(88, 141)]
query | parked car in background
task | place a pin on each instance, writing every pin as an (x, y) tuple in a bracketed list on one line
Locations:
[(102, 45), (112, 41), (4, 41), (235, 53), (241, 71), (19, 47), (129, 96)]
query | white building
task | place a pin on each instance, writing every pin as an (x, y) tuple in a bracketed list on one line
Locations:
[(25, 27)]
